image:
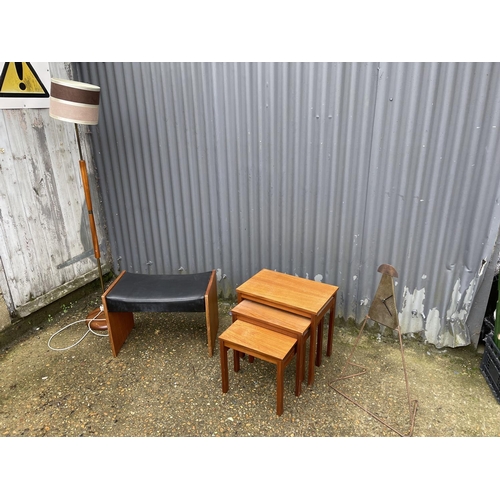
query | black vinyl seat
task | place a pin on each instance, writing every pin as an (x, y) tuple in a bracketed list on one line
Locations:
[(131, 293), (159, 293)]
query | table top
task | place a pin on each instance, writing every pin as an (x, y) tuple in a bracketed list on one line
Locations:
[(257, 338), (287, 291)]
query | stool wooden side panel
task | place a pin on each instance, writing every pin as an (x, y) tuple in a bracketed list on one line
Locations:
[(212, 313), (120, 324)]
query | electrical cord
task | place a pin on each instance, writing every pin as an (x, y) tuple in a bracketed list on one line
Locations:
[(84, 335)]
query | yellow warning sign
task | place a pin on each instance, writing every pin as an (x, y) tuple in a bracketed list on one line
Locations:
[(19, 79)]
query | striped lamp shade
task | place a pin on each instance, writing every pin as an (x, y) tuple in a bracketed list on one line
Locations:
[(74, 102)]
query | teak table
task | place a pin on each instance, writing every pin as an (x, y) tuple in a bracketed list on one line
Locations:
[(301, 296)]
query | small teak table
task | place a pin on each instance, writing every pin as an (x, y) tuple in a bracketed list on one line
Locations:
[(262, 343), (301, 296)]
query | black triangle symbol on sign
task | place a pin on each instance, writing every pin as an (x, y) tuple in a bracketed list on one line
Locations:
[(21, 80)]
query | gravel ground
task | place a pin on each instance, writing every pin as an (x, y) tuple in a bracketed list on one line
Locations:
[(163, 384)]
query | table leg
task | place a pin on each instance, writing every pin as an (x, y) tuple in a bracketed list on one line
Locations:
[(279, 387), (319, 351), (312, 353), (299, 365), (304, 350), (237, 355), (223, 365), (330, 329), (299, 376)]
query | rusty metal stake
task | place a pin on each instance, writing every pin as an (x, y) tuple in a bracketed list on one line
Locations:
[(412, 404)]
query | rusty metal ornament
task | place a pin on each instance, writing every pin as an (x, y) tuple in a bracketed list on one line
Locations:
[(383, 309)]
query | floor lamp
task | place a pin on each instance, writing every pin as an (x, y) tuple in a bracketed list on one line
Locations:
[(78, 103)]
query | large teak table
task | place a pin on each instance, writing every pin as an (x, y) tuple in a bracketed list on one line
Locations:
[(301, 296)]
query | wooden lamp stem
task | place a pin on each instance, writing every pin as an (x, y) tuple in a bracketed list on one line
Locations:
[(88, 200)]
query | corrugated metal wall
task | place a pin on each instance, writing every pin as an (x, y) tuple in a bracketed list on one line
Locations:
[(45, 244), (435, 165), (324, 170)]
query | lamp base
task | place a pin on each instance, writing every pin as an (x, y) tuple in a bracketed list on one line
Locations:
[(96, 320)]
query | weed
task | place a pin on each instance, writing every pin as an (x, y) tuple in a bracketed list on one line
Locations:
[(65, 308)]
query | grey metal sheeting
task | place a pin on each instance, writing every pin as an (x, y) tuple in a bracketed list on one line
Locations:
[(323, 170)]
